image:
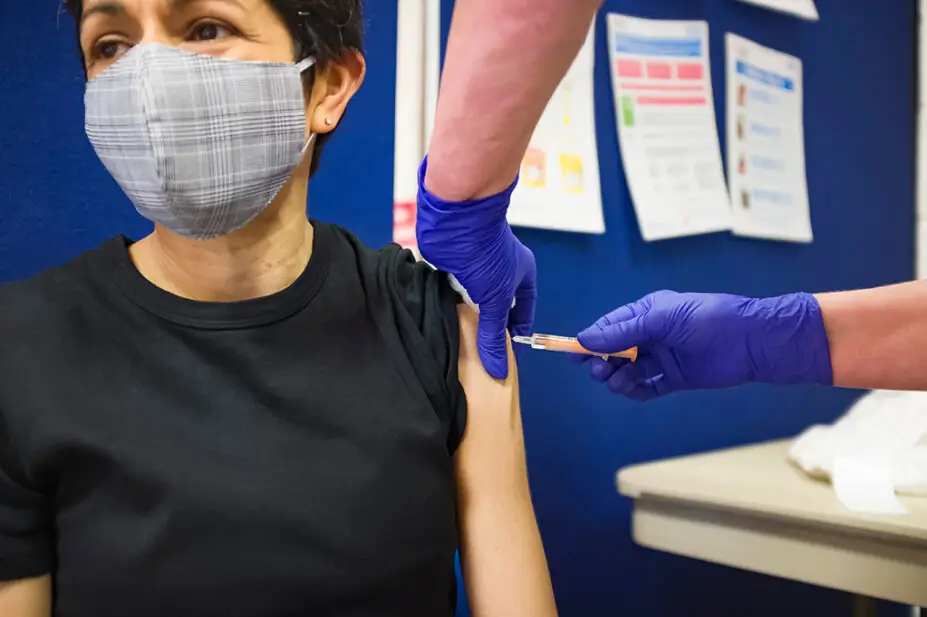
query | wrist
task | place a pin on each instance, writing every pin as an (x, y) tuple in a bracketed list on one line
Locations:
[(459, 183), (788, 342), (491, 207), (457, 236)]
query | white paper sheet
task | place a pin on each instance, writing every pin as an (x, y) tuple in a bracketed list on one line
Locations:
[(865, 488), (885, 430), (666, 126), (800, 8), (559, 186), (766, 143)]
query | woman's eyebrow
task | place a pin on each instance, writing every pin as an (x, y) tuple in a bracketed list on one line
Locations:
[(178, 5), (113, 8), (103, 8)]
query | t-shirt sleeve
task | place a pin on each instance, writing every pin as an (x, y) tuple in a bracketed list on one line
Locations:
[(426, 311), (26, 548)]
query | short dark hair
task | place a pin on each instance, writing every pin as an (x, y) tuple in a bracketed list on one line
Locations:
[(325, 29)]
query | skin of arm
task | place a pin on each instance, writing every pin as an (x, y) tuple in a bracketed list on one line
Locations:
[(26, 598), (504, 60), (502, 556), (878, 337)]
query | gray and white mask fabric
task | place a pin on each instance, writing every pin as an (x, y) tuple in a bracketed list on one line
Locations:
[(201, 145)]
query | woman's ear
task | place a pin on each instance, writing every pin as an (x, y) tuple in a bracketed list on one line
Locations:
[(333, 89)]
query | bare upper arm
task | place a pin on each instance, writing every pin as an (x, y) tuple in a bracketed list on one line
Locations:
[(493, 416), (504, 566), (26, 598)]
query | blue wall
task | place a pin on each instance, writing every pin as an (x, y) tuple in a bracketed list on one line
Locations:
[(56, 200)]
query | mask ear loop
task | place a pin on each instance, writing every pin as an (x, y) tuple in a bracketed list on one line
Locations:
[(302, 66), (309, 142)]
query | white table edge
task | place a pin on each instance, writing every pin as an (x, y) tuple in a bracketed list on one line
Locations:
[(839, 557)]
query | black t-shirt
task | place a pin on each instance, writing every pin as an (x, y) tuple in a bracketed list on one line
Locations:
[(284, 456)]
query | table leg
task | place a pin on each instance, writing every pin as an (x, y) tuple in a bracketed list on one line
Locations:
[(864, 606)]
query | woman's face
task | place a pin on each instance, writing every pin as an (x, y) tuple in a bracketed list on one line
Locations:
[(233, 29)]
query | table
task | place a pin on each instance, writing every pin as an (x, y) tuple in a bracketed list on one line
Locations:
[(749, 508)]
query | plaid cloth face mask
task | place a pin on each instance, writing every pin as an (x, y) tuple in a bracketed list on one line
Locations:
[(201, 145)]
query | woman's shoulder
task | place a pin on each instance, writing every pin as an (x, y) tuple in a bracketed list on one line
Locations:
[(394, 268), (344, 240), (41, 299), (416, 308)]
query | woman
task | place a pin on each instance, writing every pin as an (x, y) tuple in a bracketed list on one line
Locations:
[(246, 413)]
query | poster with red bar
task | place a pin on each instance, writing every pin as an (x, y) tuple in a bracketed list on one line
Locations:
[(410, 104), (404, 224), (667, 131), (418, 47)]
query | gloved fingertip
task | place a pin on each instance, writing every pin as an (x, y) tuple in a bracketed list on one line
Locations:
[(613, 337), (498, 368), (592, 339)]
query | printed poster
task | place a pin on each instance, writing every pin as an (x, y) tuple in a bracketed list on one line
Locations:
[(667, 131), (765, 143)]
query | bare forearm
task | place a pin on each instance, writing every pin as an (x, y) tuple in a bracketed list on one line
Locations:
[(506, 569), (501, 553), (27, 598), (878, 337), (504, 61)]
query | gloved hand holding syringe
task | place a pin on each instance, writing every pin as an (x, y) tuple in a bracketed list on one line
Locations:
[(550, 342)]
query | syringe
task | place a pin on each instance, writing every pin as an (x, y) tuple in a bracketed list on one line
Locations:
[(550, 342)]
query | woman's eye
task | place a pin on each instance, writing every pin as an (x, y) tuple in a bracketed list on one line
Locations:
[(209, 32), (107, 50)]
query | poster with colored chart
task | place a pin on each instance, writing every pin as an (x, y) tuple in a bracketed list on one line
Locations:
[(765, 143), (559, 185), (666, 126)]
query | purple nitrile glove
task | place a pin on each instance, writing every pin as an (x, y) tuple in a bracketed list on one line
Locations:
[(705, 341), (473, 241)]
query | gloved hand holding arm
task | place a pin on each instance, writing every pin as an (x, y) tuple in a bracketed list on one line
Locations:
[(473, 241), (862, 339), (503, 63)]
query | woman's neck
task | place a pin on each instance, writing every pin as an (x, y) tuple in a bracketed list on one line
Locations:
[(263, 258)]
